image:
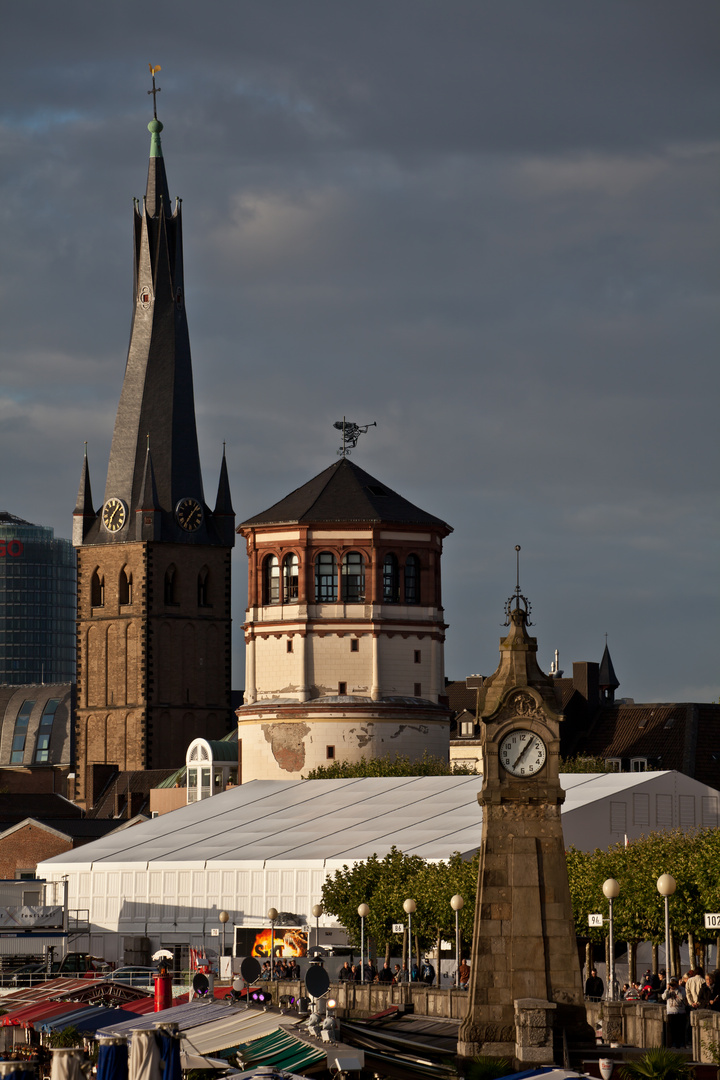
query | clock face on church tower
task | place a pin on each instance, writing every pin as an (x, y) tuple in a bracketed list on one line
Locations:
[(522, 753), (114, 514)]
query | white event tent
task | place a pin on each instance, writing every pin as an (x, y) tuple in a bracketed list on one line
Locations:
[(273, 843)]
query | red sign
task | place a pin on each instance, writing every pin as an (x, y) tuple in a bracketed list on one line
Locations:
[(11, 547)]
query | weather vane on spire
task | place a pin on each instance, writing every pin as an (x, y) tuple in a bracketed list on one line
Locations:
[(517, 602), (351, 434), (155, 89)]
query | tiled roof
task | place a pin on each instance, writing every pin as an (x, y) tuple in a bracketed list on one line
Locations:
[(460, 697), (46, 806), (682, 736), (345, 492), (137, 783)]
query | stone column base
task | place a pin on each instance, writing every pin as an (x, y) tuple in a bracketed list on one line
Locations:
[(534, 1031)]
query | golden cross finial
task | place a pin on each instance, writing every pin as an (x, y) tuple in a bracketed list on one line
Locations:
[(155, 90)]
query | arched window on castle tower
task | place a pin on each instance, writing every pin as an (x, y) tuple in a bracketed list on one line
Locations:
[(353, 578), (290, 579), (203, 582), (170, 591), (97, 590), (271, 580), (412, 580), (325, 578), (391, 580), (125, 587)]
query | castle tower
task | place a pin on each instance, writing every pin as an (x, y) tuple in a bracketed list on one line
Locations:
[(153, 631), (345, 628)]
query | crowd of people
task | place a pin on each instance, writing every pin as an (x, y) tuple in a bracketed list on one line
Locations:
[(286, 970), (694, 990), (368, 973)]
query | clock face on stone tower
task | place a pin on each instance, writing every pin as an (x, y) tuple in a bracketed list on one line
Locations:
[(522, 753), (114, 514), (189, 514)]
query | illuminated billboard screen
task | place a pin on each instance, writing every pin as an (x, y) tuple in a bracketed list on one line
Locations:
[(256, 941)]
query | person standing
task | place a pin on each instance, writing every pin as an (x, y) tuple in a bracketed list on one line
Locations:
[(674, 998), (594, 986)]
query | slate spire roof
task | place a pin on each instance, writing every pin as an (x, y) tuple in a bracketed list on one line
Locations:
[(345, 492), (607, 679), (157, 405)]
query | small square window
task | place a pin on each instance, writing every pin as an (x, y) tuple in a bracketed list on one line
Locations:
[(418, 689), (342, 688), (418, 656), (354, 645), (330, 753), (289, 645)]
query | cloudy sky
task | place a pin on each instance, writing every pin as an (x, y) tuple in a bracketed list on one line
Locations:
[(488, 225)]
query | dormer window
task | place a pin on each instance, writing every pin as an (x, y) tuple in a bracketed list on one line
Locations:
[(467, 729), (638, 764)]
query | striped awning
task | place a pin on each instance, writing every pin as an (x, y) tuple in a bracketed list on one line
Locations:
[(281, 1050)]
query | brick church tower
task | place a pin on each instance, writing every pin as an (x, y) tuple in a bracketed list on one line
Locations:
[(153, 630)]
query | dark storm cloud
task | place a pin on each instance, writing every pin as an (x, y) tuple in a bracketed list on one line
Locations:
[(491, 227)]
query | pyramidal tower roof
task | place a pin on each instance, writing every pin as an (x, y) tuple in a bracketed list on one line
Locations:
[(156, 412), (345, 492)]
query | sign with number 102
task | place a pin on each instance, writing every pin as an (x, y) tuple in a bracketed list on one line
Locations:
[(712, 920)]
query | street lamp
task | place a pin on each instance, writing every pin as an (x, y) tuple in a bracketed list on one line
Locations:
[(666, 886), (317, 911), (456, 904), (611, 888), (409, 907), (363, 912), (272, 916), (223, 917)]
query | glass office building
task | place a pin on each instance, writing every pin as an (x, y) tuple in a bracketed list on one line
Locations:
[(37, 604)]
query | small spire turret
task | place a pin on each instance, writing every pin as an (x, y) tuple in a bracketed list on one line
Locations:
[(84, 515)]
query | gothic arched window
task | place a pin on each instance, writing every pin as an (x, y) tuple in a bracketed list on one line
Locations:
[(271, 580), (353, 578), (202, 587), (325, 578), (412, 580), (391, 580), (290, 579), (125, 586), (171, 584), (97, 590)]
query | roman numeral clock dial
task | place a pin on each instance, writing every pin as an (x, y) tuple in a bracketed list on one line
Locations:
[(189, 514), (522, 753)]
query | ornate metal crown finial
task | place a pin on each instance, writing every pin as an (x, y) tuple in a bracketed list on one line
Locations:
[(155, 89), (351, 434), (517, 602)]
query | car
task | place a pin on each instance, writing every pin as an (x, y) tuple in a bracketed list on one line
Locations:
[(134, 975)]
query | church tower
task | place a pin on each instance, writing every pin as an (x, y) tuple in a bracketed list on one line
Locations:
[(153, 629)]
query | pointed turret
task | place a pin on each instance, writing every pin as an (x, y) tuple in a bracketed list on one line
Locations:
[(518, 661), (157, 400), (223, 514), (607, 679), (147, 515), (84, 515)]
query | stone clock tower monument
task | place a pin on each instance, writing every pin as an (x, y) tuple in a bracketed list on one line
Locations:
[(153, 629), (525, 972)]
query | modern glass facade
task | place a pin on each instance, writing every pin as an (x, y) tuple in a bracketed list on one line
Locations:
[(37, 604)]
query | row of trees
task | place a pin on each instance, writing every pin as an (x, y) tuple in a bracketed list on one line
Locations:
[(384, 884)]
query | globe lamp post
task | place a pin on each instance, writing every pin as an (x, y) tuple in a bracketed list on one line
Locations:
[(666, 886), (457, 904), (611, 889), (410, 907), (272, 916), (317, 911), (363, 912)]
